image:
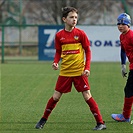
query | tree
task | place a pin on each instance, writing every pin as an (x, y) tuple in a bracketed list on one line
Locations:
[(49, 11)]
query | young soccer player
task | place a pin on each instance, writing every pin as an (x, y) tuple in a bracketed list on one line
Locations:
[(126, 39), (71, 44)]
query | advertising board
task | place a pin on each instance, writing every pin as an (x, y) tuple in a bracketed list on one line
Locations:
[(105, 44)]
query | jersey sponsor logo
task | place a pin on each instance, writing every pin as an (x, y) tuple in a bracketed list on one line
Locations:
[(71, 52)]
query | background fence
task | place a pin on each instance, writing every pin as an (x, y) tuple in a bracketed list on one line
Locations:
[(19, 21), (19, 43)]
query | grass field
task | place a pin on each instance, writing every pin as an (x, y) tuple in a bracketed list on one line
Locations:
[(26, 87)]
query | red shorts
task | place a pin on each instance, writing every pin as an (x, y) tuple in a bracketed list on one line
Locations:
[(64, 84)]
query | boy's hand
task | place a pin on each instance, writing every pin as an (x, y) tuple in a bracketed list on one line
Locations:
[(55, 66), (86, 73)]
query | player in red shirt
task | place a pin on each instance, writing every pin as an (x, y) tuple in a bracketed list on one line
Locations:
[(71, 45), (126, 39)]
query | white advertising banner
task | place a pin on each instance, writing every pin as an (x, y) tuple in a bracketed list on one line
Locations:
[(105, 44)]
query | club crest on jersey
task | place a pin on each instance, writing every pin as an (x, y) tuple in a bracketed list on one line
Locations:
[(76, 37)]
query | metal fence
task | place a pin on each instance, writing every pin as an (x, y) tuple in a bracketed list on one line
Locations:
[(19, 43), (19, 21)]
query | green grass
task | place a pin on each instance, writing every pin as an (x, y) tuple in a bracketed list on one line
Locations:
[(25, 89)]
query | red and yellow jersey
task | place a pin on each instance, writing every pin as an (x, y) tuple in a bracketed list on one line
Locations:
[(127, 44), (72, 47)]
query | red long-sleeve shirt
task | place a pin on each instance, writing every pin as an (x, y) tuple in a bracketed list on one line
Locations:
[(127, 45)]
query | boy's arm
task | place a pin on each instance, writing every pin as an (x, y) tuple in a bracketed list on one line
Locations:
[(88, 58), (57, 53), (57, 56), (86, 71), (123, 63), (56, 59), (123, 57)]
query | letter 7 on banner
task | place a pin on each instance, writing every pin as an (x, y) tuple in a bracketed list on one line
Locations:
[(51, 33)]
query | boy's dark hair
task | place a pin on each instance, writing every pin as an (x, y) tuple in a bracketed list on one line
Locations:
[(66, 10)]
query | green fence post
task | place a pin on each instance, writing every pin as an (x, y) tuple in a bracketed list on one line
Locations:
[(125, 6), (2, 44)]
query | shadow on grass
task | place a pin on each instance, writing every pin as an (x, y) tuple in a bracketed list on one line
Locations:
[(50, 127), (16, 126)]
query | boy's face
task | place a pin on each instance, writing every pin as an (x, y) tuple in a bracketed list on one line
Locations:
[(71, 19), (123, 28)]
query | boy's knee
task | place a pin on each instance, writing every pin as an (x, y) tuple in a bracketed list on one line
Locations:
[(57, 96), (87, 95)]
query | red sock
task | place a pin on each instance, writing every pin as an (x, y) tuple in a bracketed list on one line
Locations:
[(50, 106), (127, 107), (94, 109)]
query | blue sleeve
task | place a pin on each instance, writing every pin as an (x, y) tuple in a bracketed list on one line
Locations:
[(123, 56)]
